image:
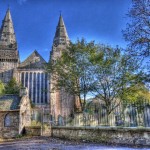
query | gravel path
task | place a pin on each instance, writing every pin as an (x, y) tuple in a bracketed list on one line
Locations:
[(43, 143)]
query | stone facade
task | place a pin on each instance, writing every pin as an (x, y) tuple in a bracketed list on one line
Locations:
[(31, 72), (62, 103), (25, 110), (15, 114), (9, 56), (7, 131)]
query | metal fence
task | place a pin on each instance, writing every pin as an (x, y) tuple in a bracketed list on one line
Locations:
[(95, 114), (124, 115)]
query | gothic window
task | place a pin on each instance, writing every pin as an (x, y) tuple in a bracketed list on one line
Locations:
[(26, 80), (8, 121), (30, 85), (22, 78), (34, 88)]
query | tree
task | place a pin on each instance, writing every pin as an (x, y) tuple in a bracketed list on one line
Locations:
[(136, 94), (137, 32), (86, 68), (113, 73), (2, 88), (12, 87), (72, 71)]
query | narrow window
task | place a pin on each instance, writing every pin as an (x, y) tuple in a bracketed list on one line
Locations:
[(7, 121)]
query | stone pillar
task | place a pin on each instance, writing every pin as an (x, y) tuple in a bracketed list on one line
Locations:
[(44, 88), (24, 79), (48, 101), (36, 88), (32, 86), (40, 88)]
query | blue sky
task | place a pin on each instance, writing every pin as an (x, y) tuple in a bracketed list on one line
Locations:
[(35, 22)]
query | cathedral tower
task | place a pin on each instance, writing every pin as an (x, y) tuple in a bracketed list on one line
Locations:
[(62, 103), (9, 56)]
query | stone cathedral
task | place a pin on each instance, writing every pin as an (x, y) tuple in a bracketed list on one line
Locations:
[(31, 72)]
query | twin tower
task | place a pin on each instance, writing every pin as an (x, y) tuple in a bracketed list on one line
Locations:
[(31, 72)]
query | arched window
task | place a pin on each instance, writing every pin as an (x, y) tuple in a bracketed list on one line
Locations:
[(7, 121)]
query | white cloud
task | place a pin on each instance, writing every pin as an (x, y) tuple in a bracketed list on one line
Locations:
[(21, 1)]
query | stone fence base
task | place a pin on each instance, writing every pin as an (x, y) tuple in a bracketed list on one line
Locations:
[(114, 135), (33, 130)]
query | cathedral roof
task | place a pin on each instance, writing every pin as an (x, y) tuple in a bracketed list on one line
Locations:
[(34, 61), (61, 35), (7, 34), (9, 102)]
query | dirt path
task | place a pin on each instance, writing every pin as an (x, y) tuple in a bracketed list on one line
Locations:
[(44, 143)]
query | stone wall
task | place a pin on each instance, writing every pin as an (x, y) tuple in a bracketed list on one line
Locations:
[(125, 136), (25, 113), (6, 70), (6, 130), (33, 130)]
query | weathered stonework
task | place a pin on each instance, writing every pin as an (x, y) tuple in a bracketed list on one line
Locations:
[(33, 130), (31, 73), (9, 56), (113, 135), (62, 103), (15, 114), (12, 131)]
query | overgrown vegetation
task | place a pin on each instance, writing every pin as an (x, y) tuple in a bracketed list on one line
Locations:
[(12, 87)]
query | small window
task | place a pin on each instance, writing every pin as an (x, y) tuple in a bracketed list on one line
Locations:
[(7, 121)]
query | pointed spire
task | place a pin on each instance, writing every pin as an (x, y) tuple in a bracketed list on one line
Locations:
[(61, 36), (7, 34)]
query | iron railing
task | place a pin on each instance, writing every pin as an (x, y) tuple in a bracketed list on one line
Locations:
[(124, 115)]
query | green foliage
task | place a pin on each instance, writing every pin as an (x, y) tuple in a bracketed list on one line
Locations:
[(72, 70), (113, 73), (2, 88), (105, 72), (137, 93), (12, 87), (18, 136)]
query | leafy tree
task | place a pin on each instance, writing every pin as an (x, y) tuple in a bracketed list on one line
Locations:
[(137, 32), (2, 88), (136, 94), (72, 71), (12, 87), (113, 73), (86, 68)]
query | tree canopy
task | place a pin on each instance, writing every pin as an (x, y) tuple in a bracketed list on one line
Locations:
[(12, 87), (137, 32), (91, 69)]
